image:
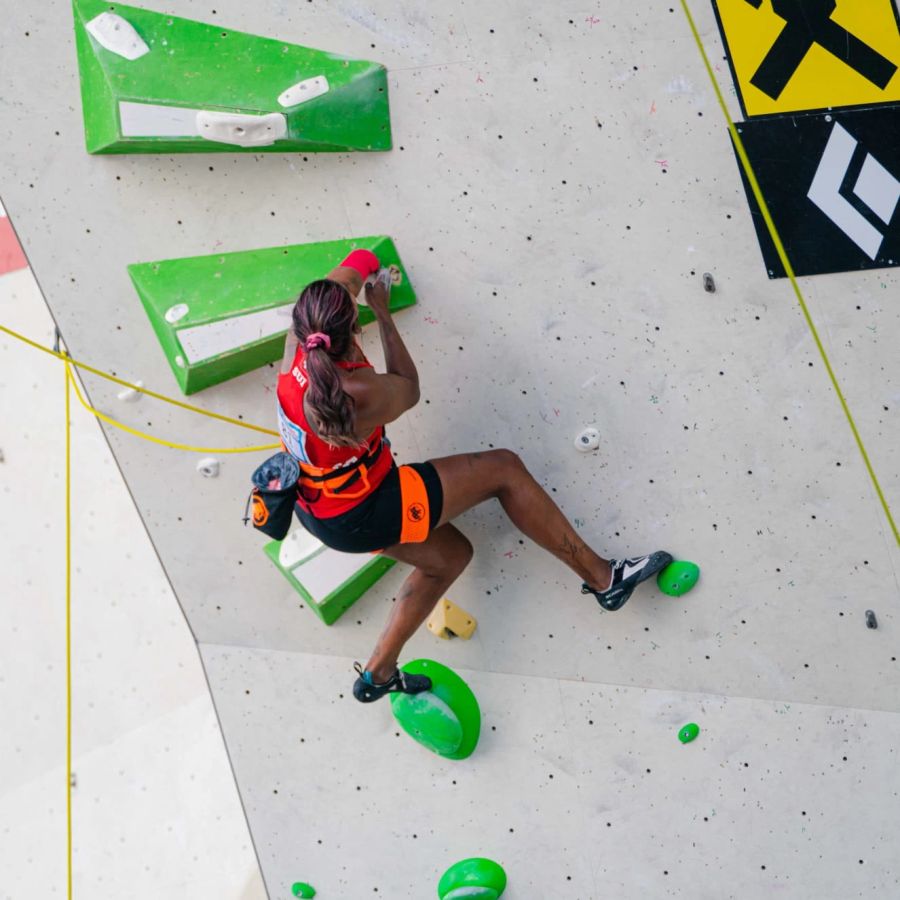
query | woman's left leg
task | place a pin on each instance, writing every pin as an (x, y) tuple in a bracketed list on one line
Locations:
[(438, 562), (471, 478)]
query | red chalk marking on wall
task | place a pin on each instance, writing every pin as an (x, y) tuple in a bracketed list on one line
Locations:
[(479, 79), (592, 21), (652, 107), (661, 162), (11, 256)]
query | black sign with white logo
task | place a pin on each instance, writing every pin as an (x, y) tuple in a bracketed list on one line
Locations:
[(832, 184)]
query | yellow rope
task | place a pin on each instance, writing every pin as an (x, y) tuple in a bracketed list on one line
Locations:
[(68, 636), (135, 387), (71, 384), (149, 437), (782, 255)]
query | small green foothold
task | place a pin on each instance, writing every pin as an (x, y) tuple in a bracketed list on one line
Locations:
[(476, 878), (688, 733), (678, 577), (304, 890)]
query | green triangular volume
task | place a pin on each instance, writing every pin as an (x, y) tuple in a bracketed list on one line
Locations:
[(152, 83), (222, 315)]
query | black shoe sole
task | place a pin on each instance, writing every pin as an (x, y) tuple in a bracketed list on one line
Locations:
[(369, 693)]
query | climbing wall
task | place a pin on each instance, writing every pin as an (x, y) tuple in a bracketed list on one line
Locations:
[(561, 179)]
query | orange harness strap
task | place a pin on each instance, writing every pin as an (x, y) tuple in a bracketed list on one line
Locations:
[(335, 482), (414, 506), (338, 485)]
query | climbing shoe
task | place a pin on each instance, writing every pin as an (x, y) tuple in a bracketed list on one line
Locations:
[(627, 574), (366, 690)]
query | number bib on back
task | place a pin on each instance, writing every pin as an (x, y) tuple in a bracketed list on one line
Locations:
[(293, 436)]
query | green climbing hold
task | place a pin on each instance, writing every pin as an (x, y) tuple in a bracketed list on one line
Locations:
[(688, 732), (473, 879), (222, 315), (431, 721), (156, 83), (302, 889), (446, 719), (678, 577)]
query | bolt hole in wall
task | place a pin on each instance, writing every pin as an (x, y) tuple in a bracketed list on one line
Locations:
[(512, 137)]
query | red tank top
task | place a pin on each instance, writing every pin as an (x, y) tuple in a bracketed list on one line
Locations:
[(303, 444)]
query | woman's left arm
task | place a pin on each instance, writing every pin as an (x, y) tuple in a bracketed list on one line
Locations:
[(349, 278), (350, 274), (290, 351), (354, 270)]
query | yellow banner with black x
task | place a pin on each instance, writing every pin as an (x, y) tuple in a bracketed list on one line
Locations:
[(792, 55)]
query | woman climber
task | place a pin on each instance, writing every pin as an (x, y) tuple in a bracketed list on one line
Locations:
[(332, 409)]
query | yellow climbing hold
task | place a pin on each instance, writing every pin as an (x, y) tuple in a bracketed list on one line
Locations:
[(448, 620)]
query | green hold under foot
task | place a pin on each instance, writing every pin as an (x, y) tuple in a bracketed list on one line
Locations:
[(446, 719), (688, 732), (678, 577), (304, 890)]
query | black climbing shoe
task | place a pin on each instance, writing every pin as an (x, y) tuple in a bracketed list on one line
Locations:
[(627, 574), (365, 690)]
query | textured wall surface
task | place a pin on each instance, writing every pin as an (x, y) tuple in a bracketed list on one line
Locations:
[(154, 805), (561, 178)]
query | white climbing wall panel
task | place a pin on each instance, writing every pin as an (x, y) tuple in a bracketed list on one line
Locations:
[(561, 180)]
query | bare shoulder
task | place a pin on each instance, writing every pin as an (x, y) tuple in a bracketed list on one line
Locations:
[(363, 386), (379, 399)]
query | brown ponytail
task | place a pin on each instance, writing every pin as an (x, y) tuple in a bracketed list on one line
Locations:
[(327, 307)]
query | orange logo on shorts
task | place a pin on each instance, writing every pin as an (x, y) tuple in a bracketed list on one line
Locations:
[(260, 511), (415, 512)]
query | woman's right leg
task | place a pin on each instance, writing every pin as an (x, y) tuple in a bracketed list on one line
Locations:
[(471, 478), (438, 562)]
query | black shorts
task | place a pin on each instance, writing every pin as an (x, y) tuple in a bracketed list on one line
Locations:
[(403, 509)]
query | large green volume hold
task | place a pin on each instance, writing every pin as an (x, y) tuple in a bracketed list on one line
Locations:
[(222, 315), (153, 83), (446, 719)]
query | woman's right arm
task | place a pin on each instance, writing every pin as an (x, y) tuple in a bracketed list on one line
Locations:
[(381, 399), (396, 357)]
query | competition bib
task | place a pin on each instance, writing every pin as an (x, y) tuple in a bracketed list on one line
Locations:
[(293, 436)]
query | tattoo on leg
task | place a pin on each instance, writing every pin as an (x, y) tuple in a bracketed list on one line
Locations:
[(570, 548)]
